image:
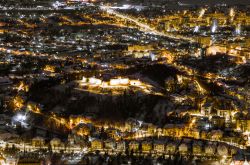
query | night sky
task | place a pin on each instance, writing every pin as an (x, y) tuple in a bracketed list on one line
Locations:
[(216, 1)]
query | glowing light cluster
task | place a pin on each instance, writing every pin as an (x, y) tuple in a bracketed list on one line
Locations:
[(202, 12), (214, 26), (196, 29), (238, 29)]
